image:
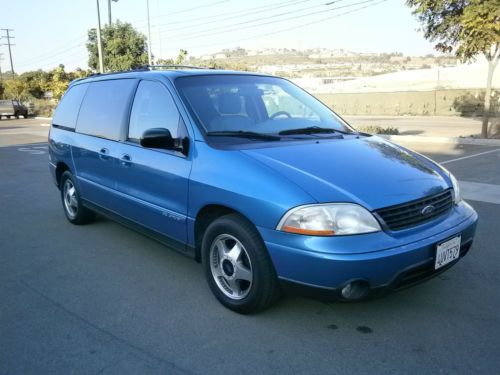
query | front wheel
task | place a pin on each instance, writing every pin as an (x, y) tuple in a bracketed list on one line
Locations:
[(74, 210), (237, 266)]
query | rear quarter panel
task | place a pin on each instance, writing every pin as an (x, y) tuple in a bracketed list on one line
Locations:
[(60, 142)]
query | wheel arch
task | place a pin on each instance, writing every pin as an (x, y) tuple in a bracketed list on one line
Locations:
[(206, 215), (61, 167)]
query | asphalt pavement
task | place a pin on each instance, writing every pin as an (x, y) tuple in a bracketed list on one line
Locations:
[(102, 299)]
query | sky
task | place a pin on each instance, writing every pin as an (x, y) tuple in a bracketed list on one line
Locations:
[(52, 32)]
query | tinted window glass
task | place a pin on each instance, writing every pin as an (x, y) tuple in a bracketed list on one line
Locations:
[(67, 110), (153, 108), (105, 108), (253, 103)]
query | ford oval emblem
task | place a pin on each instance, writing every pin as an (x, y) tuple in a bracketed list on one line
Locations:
[(428, 210)]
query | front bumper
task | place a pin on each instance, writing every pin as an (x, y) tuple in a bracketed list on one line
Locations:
[(383, 260)]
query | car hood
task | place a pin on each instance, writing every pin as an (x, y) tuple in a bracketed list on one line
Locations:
[(365, 170)]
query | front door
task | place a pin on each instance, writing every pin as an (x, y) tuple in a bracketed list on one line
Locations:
[(153, 182)]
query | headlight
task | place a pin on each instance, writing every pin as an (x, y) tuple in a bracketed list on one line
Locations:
[(329, 220), (456, 189)]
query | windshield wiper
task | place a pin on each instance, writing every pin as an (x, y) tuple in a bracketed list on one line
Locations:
[(312, 130), (244, 134)]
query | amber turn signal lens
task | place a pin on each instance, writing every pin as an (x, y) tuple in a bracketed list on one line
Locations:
[(309, 232)]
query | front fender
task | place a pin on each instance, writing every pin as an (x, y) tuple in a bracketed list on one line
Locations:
[(232, 179)]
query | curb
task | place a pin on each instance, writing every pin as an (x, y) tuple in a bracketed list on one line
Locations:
[(452, 140), (42, 118)]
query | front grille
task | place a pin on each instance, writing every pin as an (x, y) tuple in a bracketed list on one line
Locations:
[(410, 214)]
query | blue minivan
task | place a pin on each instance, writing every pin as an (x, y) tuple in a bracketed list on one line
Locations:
[(256, 179)]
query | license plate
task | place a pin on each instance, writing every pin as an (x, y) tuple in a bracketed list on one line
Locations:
[(447, 252)]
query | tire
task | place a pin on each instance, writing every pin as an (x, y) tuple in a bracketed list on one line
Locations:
[(16, 115), (237, 266), (73, 208)]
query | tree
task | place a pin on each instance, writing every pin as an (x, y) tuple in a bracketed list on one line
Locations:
[(16, 89), (466, 27), (37, 82), (123, 47), (181, 57)]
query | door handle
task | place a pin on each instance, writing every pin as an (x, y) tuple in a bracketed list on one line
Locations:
[(126, 160), (104, 154)]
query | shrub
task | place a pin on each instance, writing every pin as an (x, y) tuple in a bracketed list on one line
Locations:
[(375, 129)]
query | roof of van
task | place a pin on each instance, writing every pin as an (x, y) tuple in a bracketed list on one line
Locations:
[(169, 73)]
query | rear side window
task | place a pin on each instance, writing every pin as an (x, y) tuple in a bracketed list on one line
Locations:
[(67, 110), (153, 108), (105, 108)]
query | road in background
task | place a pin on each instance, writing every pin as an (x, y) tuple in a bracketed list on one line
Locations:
[(103, 299)]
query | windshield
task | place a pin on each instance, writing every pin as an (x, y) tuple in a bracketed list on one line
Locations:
[(246, 103)]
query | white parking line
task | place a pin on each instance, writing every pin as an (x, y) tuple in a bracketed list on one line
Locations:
[(34, 150), (477, 191), (469, 156)]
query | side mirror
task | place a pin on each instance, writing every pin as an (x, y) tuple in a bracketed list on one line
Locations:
[(158, 138)]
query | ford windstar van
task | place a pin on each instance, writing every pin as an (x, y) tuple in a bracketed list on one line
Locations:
[(256, 179)]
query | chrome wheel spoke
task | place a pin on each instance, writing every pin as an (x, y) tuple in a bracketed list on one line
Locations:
[(242, 273), (235, 252), (70, 200), (230, 266), (73, 202), (235, 287), (221, 248)]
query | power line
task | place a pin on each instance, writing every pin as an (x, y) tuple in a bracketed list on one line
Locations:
[(51, 57), (185, 10), (236, 29), (70, 52), (9, 37), (232, 14), (370, 4), (225, 28), (55, 51), (62, 49)]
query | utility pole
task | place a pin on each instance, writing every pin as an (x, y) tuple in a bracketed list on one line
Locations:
[(1, 58), (160, 52), (110, 20), (109, 12), (149, 35), (99, 43), (8, 37)]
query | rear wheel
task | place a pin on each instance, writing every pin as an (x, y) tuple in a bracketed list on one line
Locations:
[(74, 210), (237, 266)]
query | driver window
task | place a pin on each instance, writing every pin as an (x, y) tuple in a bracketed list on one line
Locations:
[(153, 108), (276, 100)]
